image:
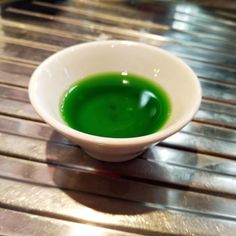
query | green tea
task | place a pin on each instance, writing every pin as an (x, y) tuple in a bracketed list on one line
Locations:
[(117, 105)]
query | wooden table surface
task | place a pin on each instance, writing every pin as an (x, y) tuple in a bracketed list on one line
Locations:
[(186, 185)]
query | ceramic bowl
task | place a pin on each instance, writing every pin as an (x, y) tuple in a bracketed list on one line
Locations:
[(56, 74)]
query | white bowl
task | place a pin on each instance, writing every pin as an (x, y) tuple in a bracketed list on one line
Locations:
[(56, 74)]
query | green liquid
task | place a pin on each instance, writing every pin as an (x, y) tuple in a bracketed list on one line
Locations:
[(115, 105)]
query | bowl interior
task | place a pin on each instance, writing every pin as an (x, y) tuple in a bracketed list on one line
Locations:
[(55, 75)]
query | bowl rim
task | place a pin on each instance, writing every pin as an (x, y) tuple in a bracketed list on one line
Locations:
[(146, 139)]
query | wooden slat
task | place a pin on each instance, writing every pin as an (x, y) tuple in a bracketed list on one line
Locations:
[(19, 223), (119, 215)]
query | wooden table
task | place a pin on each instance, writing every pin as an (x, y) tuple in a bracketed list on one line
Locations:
[(184, 186)]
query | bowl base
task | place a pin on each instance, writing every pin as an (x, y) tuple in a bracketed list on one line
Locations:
[(112, 158)]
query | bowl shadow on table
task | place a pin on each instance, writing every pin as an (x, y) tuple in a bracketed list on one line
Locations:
[(115, 188)]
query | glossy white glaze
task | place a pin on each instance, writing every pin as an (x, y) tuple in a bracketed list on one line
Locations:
[(54, 76)]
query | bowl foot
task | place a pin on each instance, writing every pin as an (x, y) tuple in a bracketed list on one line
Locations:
[(112, 158)]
